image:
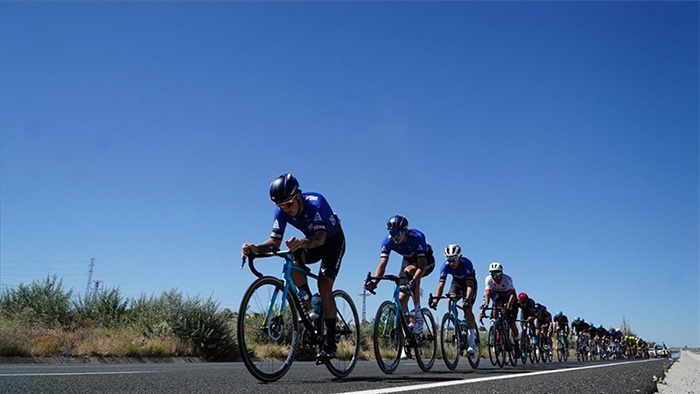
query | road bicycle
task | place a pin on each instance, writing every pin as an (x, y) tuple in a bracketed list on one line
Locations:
[(562, 349), (392, 333), (581, 348), (454, 336), (543, 350), (268, 324), (500, 343), (527, 342)]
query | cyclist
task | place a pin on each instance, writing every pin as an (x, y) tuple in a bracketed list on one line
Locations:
[(580, 328), (527, 306), (418, 261), (463, 283), (323, 241), (562, 323), (544, 324), (500, 289)]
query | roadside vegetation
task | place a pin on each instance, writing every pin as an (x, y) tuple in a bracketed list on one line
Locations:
[(44, 319)]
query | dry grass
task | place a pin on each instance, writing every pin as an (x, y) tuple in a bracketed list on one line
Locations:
[(38, 341)]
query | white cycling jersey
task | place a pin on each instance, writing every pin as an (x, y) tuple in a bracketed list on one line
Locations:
[(501, 289)]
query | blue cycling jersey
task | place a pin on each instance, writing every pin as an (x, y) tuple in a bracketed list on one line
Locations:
[(414, 245), (316, 215), (464, 270)]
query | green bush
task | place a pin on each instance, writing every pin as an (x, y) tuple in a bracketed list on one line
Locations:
[(103, 309), (43, 302), (199, 323)]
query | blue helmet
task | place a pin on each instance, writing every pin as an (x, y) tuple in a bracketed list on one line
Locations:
[(558, 314)]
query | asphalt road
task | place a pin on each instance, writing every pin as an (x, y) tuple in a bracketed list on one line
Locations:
[(634, 376)]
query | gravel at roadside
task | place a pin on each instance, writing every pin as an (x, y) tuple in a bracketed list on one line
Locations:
[(683, 376)]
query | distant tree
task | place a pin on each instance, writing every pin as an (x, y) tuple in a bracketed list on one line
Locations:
[(625, 327)]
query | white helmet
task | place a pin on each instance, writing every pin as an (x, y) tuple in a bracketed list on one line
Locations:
[(452, 251), (495, 267)]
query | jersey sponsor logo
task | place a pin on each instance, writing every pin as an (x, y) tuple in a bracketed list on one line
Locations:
[(332, 219), (276, 225), (318, 217)]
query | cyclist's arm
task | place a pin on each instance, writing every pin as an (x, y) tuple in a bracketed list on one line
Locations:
[(381, 268), (316, 240), (440, 288), (269, 245), (487, 297)]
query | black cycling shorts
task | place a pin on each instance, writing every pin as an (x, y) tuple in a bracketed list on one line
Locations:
[(330, 254)]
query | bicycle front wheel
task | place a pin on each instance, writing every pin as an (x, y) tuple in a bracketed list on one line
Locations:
[(491, 344), (450, 341), (267, 329), (388, 337), (347, 335), (475, 358), (426, 342), (524, 347)]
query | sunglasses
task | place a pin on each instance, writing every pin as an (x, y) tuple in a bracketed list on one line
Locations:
[(452, 261), (396, 233), (496, 274), (287, 204)]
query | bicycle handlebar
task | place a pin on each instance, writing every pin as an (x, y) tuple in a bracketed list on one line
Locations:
[(394, 278), (279, 253)]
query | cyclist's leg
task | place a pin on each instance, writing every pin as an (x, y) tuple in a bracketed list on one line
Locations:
[(300, 280), (468, 304), (331, 255)]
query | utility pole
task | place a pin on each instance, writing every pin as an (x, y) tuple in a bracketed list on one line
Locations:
[(91, 266), (364, 305)]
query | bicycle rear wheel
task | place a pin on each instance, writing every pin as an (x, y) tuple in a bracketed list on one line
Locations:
[(347, 335), (388, 337), (267, 332), (426, 342), (450, 341)]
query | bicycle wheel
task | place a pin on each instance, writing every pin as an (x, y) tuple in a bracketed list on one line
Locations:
[(267, 331), (388, 337), (347, 335), (450, 341), (560, 350), (491, 344), (426, 342), (475, 358), (524, 347), (508, 347)]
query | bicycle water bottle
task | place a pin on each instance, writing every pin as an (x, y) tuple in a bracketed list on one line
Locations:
[(315, 306), (305, 302)]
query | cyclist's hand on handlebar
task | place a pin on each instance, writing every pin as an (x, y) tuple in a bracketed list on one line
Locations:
[(247, 249), (370, 285), (433, 303), (293, 244)]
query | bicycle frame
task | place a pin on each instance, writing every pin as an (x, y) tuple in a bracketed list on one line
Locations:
[(286, 278)]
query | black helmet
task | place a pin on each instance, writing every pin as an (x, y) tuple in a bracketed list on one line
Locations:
[(397, 223), (283, 187)]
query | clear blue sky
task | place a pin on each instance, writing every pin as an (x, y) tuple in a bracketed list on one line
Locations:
[(559, 138)]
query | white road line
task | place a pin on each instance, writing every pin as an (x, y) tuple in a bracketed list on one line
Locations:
[(73, 373), (487, 379)]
